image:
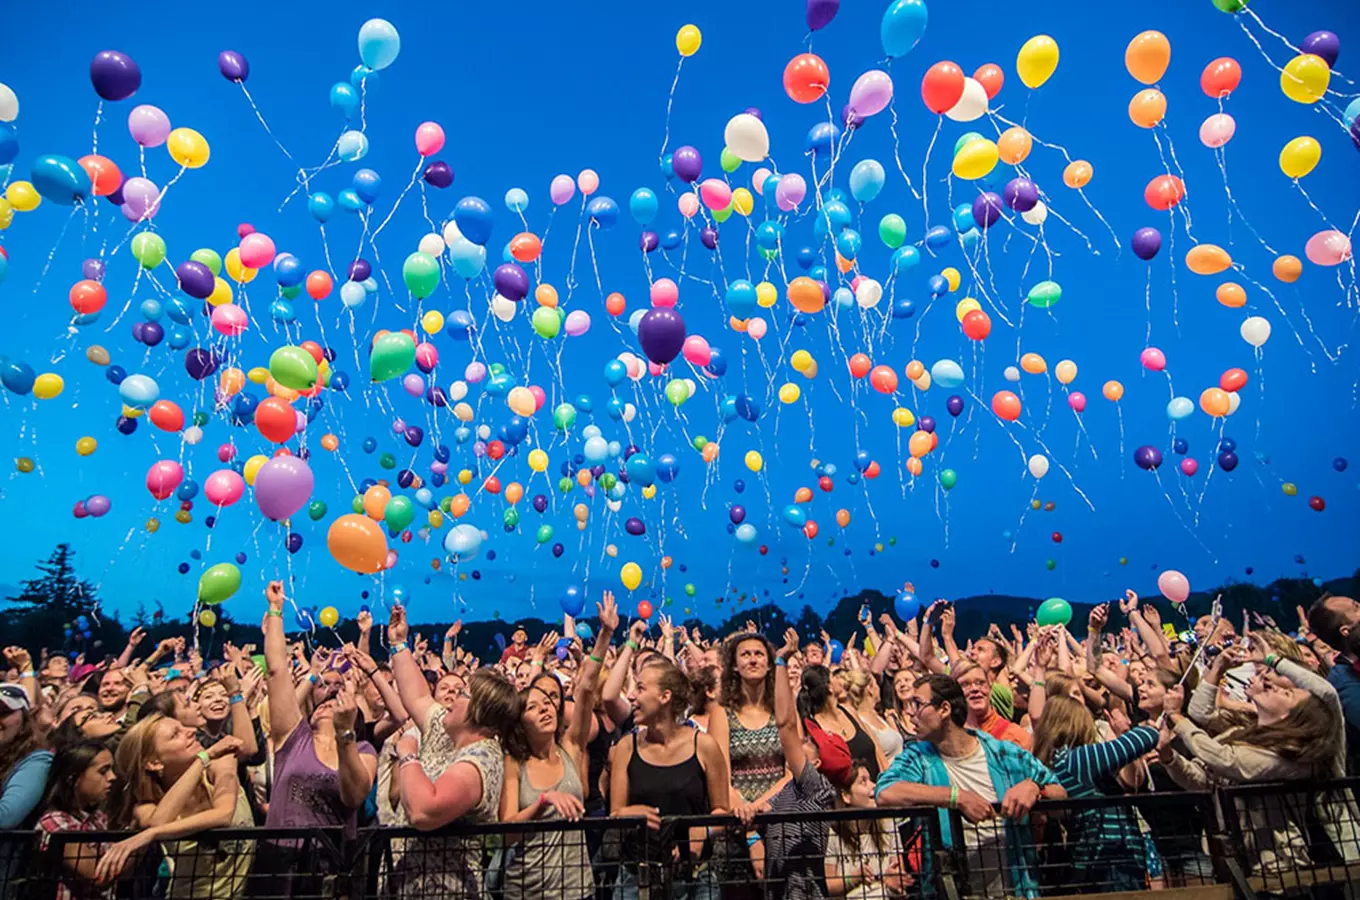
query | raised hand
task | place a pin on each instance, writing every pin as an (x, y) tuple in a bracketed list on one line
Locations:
[(273, 593), (1095, 622), (608, 611), (790, 643), (454, 629), (397, 629), (365, 621), (346, 708)]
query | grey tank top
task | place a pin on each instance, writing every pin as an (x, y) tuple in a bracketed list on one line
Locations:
[(553, 865)]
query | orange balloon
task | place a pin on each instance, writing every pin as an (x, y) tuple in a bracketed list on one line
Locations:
[(1147, 56), (842, 517), (459, 505), (375, 501), (843, 265), (710, 451), (330, 442), (1231, 295), (1113, 391), (319, 285), (806, 295), (919, 444), (546, 295), (915, 369), (275, 419), (1078, 174), (274, 389), (1147, 108), (1215, 402), (1014, 145), (1033, 363), (802, 495), (914, 466), (231, 381), (1006, 405), (1207, 259), (738, 325), (873, 470), (166, 415), (104, 175), (514, 492), (860, 365), (525, 247), (1287, 268), (615, 304), (991, 77), (666, 562), (357, 543)]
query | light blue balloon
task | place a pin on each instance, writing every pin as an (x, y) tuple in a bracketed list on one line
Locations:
[(1352, 112), (352, 146), (946, 374), (641, 470), (844, 297), (746, 534), (643, 206), (177, 337), (591, 431), (352, 295), (867, 179), (1179, 407), (635, 319), (321, 205), (281, 311), (139, 391), (463, 542), (618, 491), (795, 516), (425, 498), (849, 243), (963, 217), (969, 239), (4, 267), (350, 201), (903, 25), (596, 449), (468, 258), (905, 258), (741, 299), (832, 219), (379, 43), (516, 200), (364, 80), (60, 179), (370, 284), (344, 99), (150, 309), (176, 309)]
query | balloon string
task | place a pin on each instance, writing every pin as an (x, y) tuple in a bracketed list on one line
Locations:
[(267, 130), (415, 173), (1284, 40), (670, 101), (925, 163), (897, 148)]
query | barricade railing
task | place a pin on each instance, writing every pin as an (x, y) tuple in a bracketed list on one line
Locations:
[(1291, 839)]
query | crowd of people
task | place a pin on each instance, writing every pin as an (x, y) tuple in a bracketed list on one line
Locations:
[(668, 722)]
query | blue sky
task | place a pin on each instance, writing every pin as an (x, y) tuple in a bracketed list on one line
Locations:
[(528, 91)]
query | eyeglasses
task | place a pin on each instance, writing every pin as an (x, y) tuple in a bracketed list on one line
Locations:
[(914, 705)]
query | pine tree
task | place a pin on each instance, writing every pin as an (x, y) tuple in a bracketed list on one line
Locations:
[(58, 588)]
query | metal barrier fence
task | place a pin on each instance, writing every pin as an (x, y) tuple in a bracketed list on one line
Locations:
[(1295, 839)]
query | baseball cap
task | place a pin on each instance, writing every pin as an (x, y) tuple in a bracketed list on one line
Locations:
[(13, 697), (835, 763)]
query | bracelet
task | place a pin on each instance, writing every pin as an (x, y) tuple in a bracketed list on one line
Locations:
[(237, 698), (593, 658), (1037, 683), (1272, 660), (28, 674), (204, 758), (274, 612), (536, 663), (313, 678), (632, 645), (408, 759), (345, 737), (953, 798), (369, 674), (397, 648), (780, 661), (752, 840)]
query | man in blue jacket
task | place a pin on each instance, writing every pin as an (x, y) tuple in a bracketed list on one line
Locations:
[(1333, 621)]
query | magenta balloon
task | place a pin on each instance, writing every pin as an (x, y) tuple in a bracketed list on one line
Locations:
[(1153, 359), (697, 350), (163, 477), (1174, 586), (871, 93), (224, 487), (148, 125), (283, 486)]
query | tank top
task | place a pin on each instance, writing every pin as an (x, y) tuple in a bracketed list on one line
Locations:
[(889, 740), (597, 752), (861, 746), (757, 756), (554, 865), (675, 790)]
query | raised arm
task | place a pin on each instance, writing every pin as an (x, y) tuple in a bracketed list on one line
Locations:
[(951, 649), (135, 638), (1150, 635), (1095, 624), (588, 678), (411, 684), (242, 728), (357, 770), (615, 704), (284, 711), (449, 657), (786, 708)]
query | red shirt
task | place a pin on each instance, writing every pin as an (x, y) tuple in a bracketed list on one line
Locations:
[(515, 652), (1005, 730)]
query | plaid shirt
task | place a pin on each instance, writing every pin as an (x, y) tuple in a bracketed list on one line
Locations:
[(1009, 765), (71, 886)]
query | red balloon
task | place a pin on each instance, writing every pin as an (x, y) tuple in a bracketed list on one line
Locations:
[(1057, 537), (977, 324), (492, 485), (1164, 192), (495, 449), (1006, 405), (644, 609), (1233, 380), (825, 483), (873, 470), (275, 419), (991, 78), (315, 350), (1317, 504), (884, 379), (806, 78), (810, 529), (88, 297), (104, 175), (1221, 77), (319, 285), (942, 87), (860, 365), (166, 415)]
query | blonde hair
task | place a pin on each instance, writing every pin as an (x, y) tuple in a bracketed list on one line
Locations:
[(856, 685), (1066, 723), (136, 785)]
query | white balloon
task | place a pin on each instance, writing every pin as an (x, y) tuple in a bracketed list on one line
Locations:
[(972, 105), (502, 307), (1256, 331), (745, 135), (629, 412), (483, 432), (1012, 373), (193, 434), (458, 390), (432, 244), (868, 293), (1038, 465), (1036, 215), (9, 104), (1234, 401), (613, 505), (451, 232)]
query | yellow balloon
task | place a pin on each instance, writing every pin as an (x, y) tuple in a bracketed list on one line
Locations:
[(1300, 156), (221, 293), (436, 518), (766, 295), (754, 461), (48, 385), (1304, 78), (207, 618), (238, 271), (6, 213), (432, 322), (952, 276), (800, 360), (23, 196), (184, 517), (976, 159), (153, 525), (965, 306), (789, 392), (538, 460), (1066, 371), (1290, 489), (649, 492), (688, 39), (130, 412), (743, 202), (631, 576), (329, 617), (464, 476), (903, 417), (86, 445), (25, 464), (1037, 61), (258, 375), (188, 148), (252, 467)]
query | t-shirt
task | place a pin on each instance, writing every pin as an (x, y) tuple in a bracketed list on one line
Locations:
[(514, 651), (866, 852), (970, 773), (794, 850)]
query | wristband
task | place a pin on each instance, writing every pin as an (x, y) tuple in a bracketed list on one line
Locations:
[(204, 758), (408, 759), (953, 798), (28, 674), (397, 648), (780, 661), (1037, 683), (752, 840), (274, 612), (632, 645), (1272, 660), (313, 678), (593, 658), (237, 698), (536, 663)]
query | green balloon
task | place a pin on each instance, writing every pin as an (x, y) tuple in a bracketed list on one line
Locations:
[(722, 215), (689, 590), (729, 161), (218, 583), (446, 505), (496, 368), (700, 442), (948, 478), (387, 461), (892, 230), (399, 512), (421, 274), (892, 542), (1230, 6), (392, 355), (608, 480), (291, 292), (564, 416), (148, 248), (511, 517), (545, 533), (200, 418), (964, 140), (546, 322), (317, 508), (1054, 611), (770, 254), (1050, 564), (1045, 294), (357, 504), (293, 368), (209, 258), (677, 391), (565, 484)]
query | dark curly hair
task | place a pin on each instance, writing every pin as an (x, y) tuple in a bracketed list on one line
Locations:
[(730, 692)]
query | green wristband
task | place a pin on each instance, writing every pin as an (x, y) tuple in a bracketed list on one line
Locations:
[(632, 645)]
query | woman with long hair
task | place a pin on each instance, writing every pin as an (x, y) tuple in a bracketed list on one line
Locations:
[(545, 773), (862, 690), (863, 856), (817, 702), (171, 789), (24, 761), (903, 696), (78, 788)]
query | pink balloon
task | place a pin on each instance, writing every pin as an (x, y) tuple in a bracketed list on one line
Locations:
[(664, 293), (697, 351), (1152, 359), (429, 138), (716, 194), (1174, 586), (230, 319), (427, 355), (588, 181), (1189, 466), (654, 369), (688, 204), (1077, 400), (562, 189), (391, 562), (256, 250), (224, 487), (1328, 248), (578, 322), (163, 477), (790, 191), (871, 93), (540, 397), (282, 486), (148, 125), (1217, 130), (226, 452), (756, 327), (758, 179), (474, 372)]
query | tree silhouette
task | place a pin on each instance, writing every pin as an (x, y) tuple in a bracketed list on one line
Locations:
[(58, 588)]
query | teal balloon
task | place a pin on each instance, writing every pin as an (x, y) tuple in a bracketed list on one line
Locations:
[(892, 230), (643, 206), (317, 508), (421, 274), (1054, 611), (399, 512), (60, 179), (393, 354), (965, 139), (218, 583), (344, 99), (903, 26), (867, 179)]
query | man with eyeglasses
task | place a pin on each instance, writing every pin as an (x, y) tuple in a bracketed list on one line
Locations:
[(952, 767)]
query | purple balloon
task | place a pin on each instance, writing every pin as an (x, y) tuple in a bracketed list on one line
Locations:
[(687, 164), (987, 209), (414, 435), (241, 557), (1355, 133), (850, 118), (439, 174), (752, 111), (359, 270), (1147, 457), (141, 199), (283, 486), (927, 424), (1146, 243), (97, 505), (93, 269), (233, 65), (635, 527), (737, 514), (114, 75), (1324, 44), (708, 236), (1227, 460), (294, 542), (1020, 194), (662, 333), (511, 281), (954, 404), (540, 503), (195, 279), (649, 241), (200, 363), (152, 333), (137, 329), (116, 198), (821, 12)]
